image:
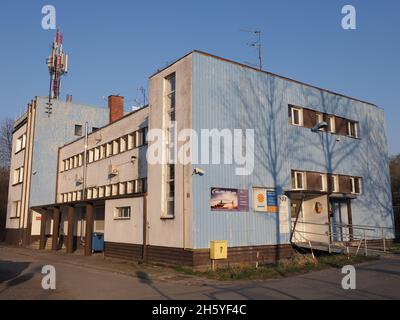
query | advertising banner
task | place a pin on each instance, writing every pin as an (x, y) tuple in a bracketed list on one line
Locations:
[(223, 199)]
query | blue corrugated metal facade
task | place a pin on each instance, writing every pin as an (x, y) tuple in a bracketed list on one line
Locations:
[(60, 126), (227, 95)]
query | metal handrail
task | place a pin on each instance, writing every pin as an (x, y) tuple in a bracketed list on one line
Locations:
[(353, 235)]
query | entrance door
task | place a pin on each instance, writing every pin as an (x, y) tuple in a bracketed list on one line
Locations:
[(339, 218)]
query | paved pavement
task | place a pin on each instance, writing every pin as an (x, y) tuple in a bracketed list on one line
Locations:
[(97, 278)]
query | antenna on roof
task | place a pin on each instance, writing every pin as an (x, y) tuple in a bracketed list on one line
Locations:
[(57, 63), (257, 44)]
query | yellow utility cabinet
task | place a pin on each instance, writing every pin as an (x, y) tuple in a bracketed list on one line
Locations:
[(218, 249)]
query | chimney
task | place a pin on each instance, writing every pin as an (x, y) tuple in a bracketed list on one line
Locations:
[(69, 98), (116, 107)]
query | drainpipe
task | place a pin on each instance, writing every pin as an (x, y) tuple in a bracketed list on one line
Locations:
[(85, 161)]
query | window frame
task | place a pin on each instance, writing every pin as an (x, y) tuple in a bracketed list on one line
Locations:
[(300, 116), (352, 124), (78, 127), (303, 180), (119, 213)]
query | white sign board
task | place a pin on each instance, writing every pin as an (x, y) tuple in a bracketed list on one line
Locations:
[(260, 199), (284, 214)]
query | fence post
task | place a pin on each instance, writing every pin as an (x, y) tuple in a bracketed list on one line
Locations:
[(384, 241)]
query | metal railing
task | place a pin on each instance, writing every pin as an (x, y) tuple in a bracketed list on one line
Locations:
[(347, 233)]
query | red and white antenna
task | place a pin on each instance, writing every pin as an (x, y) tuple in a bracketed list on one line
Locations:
[(57, 63)]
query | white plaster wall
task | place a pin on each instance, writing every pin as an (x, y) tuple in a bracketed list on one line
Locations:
[(124, 231), (170, 232), (15, 192), (97, 172)]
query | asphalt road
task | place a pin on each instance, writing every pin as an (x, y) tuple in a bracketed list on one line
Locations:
[(20, 278)]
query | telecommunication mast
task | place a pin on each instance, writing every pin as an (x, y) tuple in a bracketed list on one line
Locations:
[(57, 63)]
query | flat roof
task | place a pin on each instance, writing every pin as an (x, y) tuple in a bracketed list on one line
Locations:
[(262, 71), (106, 125)]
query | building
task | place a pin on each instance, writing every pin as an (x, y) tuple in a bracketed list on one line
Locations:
[(36, 138), (316, 170)]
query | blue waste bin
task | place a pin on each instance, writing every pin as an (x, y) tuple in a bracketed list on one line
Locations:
[(98, 242)]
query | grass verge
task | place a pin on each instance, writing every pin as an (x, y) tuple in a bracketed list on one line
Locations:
[(288, 267)]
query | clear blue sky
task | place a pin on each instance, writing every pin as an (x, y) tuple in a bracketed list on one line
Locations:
[(115, 45)]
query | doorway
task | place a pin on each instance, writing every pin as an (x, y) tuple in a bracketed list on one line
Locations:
[(340, 219)]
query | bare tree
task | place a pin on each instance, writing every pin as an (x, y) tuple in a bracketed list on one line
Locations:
[(394, 165), (6, 131)]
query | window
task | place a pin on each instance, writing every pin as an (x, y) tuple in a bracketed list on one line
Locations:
[(323, 182), (115, 147), (18, 175), (78, 130), (109, 149), (101, 192), (139, 138), (122, 188), (80, 160), (320, 118), (16, 209), (89, 193), (296, 116), (96, 153), (115, 189), (122, 213), (130, 187), (131, 141), (169, 168), (91, 156), (334, 183), (108, 191), (123, 144), (352, 129), (102, 152), (21, 143), (355, 185), (298, 180), (331, 124), (95, 193)]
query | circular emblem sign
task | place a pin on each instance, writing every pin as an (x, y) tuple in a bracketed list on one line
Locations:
[(318, 207)]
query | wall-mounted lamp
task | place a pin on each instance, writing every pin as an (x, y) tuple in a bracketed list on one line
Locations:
[(319, 126), (198, 171), (133, 159)]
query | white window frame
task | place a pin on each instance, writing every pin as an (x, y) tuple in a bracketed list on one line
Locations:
[(80, 160), (332, 124), (122, 213), (16, 209), (320, 118), (349, 124), (18, 176), (96, 153), (335, 187), (123, 142), (115, 147), (303, 180), (353, 185), (91, 156), (21, 143), (324, 182), (300, 110)]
